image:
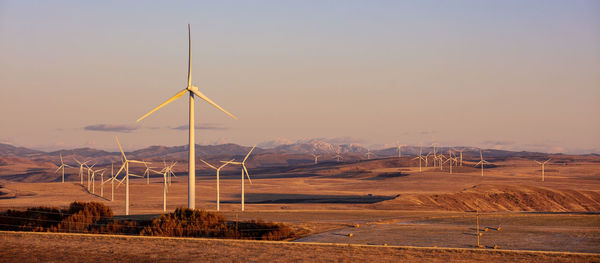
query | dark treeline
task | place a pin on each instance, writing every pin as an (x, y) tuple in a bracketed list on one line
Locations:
[(96, 218)]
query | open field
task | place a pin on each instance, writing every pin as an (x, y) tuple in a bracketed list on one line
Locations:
[(394, 206), (49, 247)]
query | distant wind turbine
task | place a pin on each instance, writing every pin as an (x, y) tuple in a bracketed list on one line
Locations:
[(369, 154), (62, 167), (461, 156), (166, 170), (192, 90), (316, 156), (81, 164), (420, 158), (399, 147), (482, 162), (338, 156), (218, 169), (543, 164), (244, 170), (147, 172), (125, 166)]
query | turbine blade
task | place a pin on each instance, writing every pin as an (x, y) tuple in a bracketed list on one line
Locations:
[(246, 158), (58, 169), (177, 96), (247, 174), (121, 148), (225, 164), (202, 96), (189, 56), (120, 169), (61, 160), (208, 164), (120, 182)]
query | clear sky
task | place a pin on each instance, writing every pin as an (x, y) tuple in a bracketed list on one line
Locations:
[(520, 75)]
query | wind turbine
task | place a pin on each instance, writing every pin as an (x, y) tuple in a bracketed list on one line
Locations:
[(482, 162), (170, 173), (192, 90), (243, 164), (147, 172), (461, 155), (62, 166), (450, 159), (338, 156), (89, 175), (368, 154), (102, 183), (434, 154), (399, 147), (166, 171), (81, 164), (218, 169), (112, 182), (93, 178), (441, 160), (126, 176), (316, 156), (420, 157), (543, 164), (427, 159)]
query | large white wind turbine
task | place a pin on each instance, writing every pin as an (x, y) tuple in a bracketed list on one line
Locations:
[(62, 167), (218, 169), (243, 164), (543, 164), (192, 90)]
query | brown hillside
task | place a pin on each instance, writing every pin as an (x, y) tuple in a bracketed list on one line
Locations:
[(492, 197)]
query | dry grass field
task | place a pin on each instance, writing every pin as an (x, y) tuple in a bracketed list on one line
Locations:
[(391, 206), (53, 247)]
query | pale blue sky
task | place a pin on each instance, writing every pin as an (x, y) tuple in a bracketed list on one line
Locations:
[(504, 74)]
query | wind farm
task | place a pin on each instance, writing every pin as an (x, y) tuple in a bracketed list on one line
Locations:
[(388, 132)]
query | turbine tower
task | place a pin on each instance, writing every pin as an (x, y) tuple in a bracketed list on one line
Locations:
[(543, 164), (243, 164), (482, 162), (192, 90), (338, 156), (368, 154), (62, 166), (218, 169)]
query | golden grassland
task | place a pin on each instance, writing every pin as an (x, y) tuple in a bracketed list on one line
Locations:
[(48, 247)]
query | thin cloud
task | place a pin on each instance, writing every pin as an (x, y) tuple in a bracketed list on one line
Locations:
[(206, 126), (111, 128)]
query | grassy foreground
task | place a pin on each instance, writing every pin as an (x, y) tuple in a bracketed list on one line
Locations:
[(66, 247)]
